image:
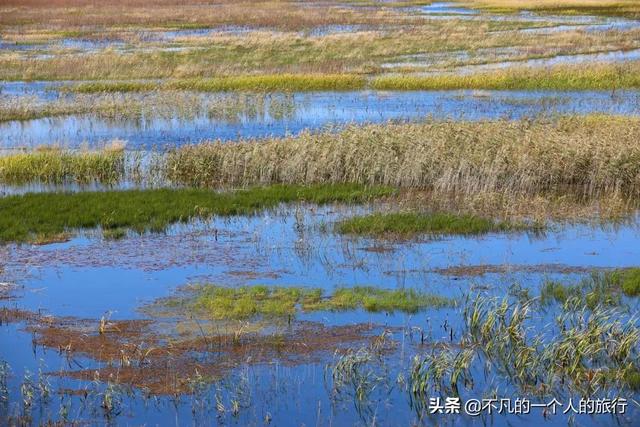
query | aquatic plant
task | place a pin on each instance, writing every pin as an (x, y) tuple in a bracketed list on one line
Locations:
[(590, 349), (357, 373), (441, 372), (39, 216), (406, 224), (599, 289)]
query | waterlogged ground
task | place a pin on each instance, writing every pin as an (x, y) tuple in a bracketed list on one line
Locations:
[(101, 331), (174, 119), (86, 334)]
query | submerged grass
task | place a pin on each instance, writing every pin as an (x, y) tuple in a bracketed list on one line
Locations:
[(587, 351), (33, 217), (600, 289), (54, 165), (246, 302), (406, 224)]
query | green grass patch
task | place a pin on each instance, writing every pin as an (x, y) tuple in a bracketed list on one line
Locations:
[(53, 165), (258, 83), (630, 281), (25, 217), (375, 300), (562, 77), (248, 302), (405, 224), (112, 87)]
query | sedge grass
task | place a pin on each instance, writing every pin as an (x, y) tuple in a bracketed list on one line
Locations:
[(36, 216)]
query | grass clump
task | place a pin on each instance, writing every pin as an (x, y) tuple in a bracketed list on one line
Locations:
[(258, 83), (55, 166), (248, 302), (410, 223), (25, 216)]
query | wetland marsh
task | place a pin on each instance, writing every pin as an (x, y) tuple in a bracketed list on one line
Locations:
[(319, 212)]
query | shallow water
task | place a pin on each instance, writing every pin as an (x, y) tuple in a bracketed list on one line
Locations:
[(284, 114), (90, 278)]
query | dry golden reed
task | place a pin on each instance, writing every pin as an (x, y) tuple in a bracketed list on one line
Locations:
[(589, 156)]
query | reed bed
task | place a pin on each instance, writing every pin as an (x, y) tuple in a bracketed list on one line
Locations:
[(52, 165), (586, 157)]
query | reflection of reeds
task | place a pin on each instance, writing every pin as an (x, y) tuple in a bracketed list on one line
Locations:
[(584, 156), (166, 105)]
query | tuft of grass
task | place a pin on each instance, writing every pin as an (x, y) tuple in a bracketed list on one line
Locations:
[(410, 223), (247, 302), (54, 165), (25, 217)]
